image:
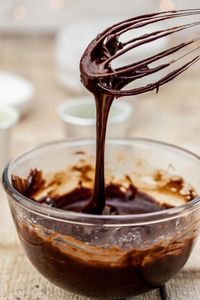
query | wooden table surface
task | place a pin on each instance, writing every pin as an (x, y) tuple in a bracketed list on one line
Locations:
[(172, 116)]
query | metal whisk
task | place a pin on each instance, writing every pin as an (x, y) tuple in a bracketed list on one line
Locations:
[(97, 72)]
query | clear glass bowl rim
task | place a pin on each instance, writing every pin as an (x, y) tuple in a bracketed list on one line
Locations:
[(87, 219)]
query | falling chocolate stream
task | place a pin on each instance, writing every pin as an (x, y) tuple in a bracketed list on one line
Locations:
[(103, 104)]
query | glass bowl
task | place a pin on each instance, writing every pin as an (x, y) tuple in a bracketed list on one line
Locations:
[(107, 257)]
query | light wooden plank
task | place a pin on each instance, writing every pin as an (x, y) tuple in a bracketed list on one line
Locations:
[(185, 286), (154, 295)]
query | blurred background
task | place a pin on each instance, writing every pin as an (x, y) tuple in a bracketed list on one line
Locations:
[(41, 43)]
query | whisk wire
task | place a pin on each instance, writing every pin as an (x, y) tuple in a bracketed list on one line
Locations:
[(124, 26), (149, 87), (97, 59)]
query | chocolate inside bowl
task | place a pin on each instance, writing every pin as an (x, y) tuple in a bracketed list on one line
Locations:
[(145, 234)]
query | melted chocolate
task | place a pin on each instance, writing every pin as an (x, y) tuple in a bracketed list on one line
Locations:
[(102, 272), (120, 200), (125, 266)]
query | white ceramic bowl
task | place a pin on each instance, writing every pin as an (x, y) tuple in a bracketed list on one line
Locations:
[(8, 118), (16, 92), (79, 120)]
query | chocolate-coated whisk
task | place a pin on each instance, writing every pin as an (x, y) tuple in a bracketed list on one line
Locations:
[(98, 74), (106, 82)]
